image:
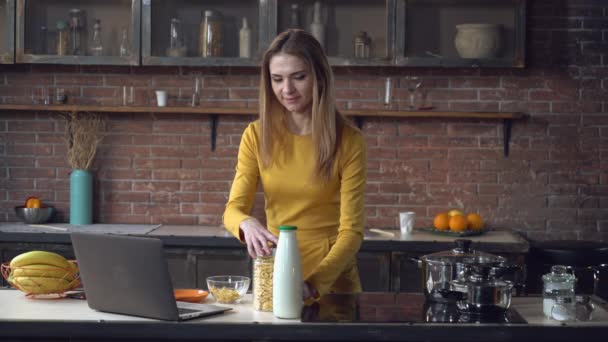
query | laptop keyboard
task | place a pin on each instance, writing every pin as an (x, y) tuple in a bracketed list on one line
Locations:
[(186, 311)]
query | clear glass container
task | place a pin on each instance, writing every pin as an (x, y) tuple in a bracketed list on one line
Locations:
[(125, 45), (177, 48), (362, 45), (96, 48), (77, 30), (262, 282), (558, 288), (63, 39), (211, 38)]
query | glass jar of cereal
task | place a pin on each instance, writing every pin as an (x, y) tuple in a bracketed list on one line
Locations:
[(262, 282)]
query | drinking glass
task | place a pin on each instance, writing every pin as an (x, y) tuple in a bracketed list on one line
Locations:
[(412, 83)]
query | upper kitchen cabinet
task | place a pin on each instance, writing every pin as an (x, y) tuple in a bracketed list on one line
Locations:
[(460, 33), (204, 32), (7, 31), (352, 32), (102, 32)]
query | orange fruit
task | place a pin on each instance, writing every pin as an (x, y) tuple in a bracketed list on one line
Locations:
[(458, 223), (475, 221), (455, 212), (33, 202), (442, 221)]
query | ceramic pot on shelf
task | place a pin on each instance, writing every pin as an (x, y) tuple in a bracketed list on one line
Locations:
[(478, 41)]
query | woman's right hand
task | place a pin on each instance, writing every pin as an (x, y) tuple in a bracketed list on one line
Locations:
[(257, 237)]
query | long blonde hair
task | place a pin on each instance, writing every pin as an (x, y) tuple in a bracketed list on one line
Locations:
[(327, 122)]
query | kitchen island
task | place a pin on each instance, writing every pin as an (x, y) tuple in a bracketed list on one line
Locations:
[(67, 319)]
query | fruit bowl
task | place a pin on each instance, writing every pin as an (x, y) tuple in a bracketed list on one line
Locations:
[(35, 215), (228, 289), (453, 233), (41, 281)]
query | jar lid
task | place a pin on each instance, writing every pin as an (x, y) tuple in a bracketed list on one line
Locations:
[(463, 254), (62, 25), (559, 274)]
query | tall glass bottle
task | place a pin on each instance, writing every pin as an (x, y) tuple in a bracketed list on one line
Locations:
[(125, 45), (77, 32), (96, 48), (317, 28), (294, 16), (287, 276), (245, 40)]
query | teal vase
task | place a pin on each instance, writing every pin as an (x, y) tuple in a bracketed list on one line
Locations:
[(81, 197)]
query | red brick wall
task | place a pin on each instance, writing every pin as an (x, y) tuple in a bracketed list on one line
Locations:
[(159, 168)]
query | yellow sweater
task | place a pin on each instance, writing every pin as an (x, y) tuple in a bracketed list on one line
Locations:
[(330, 216)]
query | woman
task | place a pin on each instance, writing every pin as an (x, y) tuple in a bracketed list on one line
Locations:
[(312, 165)]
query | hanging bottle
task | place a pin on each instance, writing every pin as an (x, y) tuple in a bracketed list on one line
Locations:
[(317, 29), (245, 40), (96, 48), (294, 16), (287, 276), (125, 44)]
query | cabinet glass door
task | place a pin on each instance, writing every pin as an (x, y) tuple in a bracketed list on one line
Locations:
[(7, 31), (478, 33), (103, 32), (353, 32), (203, 32)]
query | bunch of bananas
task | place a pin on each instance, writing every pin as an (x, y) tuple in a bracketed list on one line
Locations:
[(41, 272)]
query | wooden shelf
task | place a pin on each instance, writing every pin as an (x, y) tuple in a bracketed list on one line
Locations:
[(253, 111), (359, 114)]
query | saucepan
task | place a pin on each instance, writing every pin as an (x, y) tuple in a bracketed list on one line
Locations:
[(440, 269), (481, 292)]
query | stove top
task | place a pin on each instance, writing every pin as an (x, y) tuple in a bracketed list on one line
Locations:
[(383, 307)]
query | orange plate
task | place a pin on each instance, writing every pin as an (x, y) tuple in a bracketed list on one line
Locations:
[(190, 295)]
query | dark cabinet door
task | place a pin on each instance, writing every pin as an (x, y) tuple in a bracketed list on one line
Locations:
[(213, 262), (374, 271)]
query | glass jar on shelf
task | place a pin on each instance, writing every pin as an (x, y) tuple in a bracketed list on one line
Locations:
[(210, 34), (77, 31), (176, 48), (63, 38), (362, 45), (96, 48)]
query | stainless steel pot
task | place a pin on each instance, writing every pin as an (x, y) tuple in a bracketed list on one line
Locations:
[(482, 293), (439, 269)]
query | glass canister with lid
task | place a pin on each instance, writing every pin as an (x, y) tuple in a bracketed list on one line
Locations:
[(558, 288), (210, 34), (262, 282)]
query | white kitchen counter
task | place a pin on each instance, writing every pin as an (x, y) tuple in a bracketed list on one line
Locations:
[(16, 306)]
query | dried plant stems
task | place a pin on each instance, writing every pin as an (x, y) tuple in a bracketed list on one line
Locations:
[(84, 133)]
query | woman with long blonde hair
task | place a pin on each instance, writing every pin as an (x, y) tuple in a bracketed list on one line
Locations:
[(312, 165)]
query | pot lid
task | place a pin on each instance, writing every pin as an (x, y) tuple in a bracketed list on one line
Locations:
[(463, 254)]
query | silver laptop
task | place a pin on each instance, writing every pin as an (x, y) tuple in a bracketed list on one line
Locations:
[(129, 275)]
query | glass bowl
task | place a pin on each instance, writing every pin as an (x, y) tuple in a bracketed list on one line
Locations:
[(35, 215), (228, 289)]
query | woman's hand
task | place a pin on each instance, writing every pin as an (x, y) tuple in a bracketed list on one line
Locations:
[(257, 237), (308, 291)]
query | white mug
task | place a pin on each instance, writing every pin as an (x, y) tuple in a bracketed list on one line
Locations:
[(161, 98), (406, 221)]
